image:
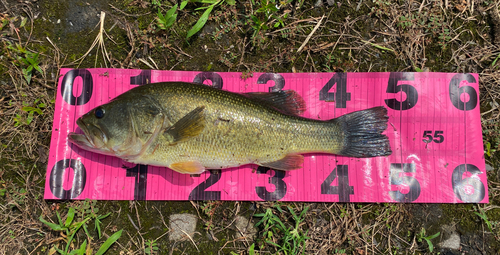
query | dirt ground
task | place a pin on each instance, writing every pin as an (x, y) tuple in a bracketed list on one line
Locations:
[(40, 37)]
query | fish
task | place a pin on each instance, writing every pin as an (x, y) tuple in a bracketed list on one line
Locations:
[(191, 128)]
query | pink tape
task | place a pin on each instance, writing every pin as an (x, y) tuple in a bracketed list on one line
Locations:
[(434, 130)]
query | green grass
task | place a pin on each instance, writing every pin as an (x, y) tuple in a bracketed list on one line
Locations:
[(286, 239), (71, 226)]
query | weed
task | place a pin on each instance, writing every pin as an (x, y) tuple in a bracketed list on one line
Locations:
[(341, 251), (18, 195), (444, 37), (3, 189), (30, 110), (88, 210), (492, 225), (267, 15), (330, 61), (406, 22), (290, 239), (209, 208), (427, 238), (167, 20), (70, 229), (151, 247), (483, 216), (491, 134), (27, 60)]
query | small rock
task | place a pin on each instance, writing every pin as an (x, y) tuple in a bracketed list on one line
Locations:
[(488, 168), (182, 224), (243, 226), (452, 240)]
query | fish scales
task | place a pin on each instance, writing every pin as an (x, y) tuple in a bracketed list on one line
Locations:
[(192, 127), (237, 131)]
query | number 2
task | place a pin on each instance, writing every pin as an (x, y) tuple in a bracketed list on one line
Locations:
[(200, 193)]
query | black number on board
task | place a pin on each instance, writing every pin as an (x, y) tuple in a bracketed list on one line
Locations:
[(67, 87), (438, 136), (340, 96), (456, 92), (461, 186), (397, 178), (215, 78), (56, 182), (143, 78), (276, 180), (200, 193), (140, 172), (279, 81), (342, 189), (409, 90)]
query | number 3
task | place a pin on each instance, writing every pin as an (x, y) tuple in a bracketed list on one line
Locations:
[(277, 181)]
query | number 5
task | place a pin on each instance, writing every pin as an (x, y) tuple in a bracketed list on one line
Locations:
[(396, 170), (438, 136), (428, 134)]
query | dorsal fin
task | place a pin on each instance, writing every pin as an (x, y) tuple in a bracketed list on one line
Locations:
[(286, 101)]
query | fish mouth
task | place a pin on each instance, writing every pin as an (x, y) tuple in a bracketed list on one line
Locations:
[(92, 139)]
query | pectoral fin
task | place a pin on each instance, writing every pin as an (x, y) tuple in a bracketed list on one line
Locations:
[(188, 126), (289, 162), (189, 167)]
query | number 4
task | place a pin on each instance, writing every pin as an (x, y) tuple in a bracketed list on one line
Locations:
[(341, 96), (342, 189)]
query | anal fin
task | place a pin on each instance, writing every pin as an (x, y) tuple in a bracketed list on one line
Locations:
[(188, 167), (289, 162)]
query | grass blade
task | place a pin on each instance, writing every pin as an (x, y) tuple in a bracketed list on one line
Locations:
[(183, 4), (70, 217), (495, 61), (111, 240), (378, 46), (433, 236), (80, 251), (51, 225), (251, 249), (201, 22)]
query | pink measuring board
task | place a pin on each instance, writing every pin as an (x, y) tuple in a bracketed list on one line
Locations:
[(434, 130)]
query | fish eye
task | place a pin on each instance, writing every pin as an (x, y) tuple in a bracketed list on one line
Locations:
[(99, 113)]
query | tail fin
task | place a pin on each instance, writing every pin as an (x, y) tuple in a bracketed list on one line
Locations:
[(363, 129)]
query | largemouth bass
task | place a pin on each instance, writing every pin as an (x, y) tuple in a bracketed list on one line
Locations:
[(192, 127)]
